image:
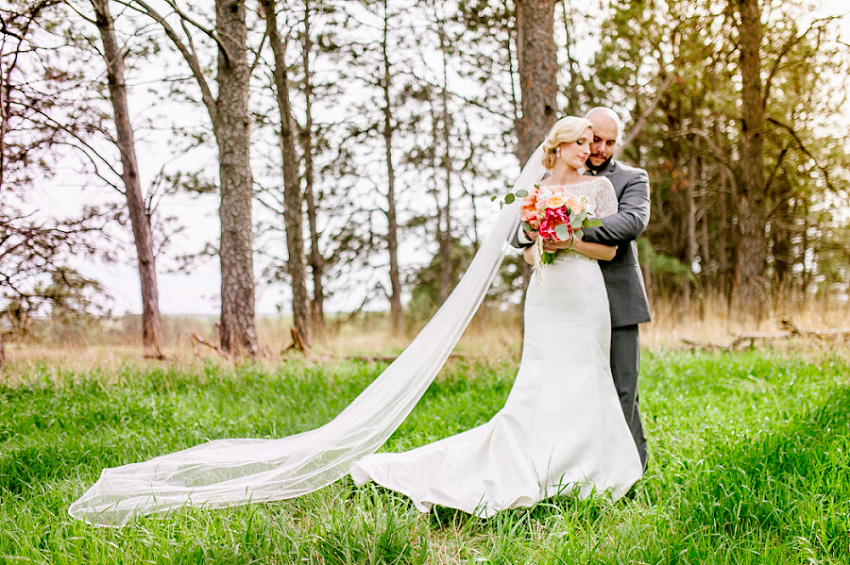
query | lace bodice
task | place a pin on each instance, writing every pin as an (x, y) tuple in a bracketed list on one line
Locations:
[(599, 191)]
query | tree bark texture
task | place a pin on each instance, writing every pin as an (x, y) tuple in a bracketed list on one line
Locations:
[(781, 235), (292, 211), (573, 104), (316, 261), (691, 228), (538, 68), (750, 281), (446, 233), (139, 219), (396, 311), (232, 126)]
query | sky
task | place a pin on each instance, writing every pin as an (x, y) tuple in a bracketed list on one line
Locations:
[(197, 293)]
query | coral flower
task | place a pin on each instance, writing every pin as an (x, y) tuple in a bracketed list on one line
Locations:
[(576, 205), (555, 201), (529, 212)]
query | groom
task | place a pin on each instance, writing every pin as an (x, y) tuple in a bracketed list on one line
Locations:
[(623, 278)]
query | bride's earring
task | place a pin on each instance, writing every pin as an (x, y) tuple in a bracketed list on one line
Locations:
[(557, 153)]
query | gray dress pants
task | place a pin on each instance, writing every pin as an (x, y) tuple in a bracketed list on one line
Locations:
[(625, 366)]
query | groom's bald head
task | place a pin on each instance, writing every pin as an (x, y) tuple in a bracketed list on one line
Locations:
[(607, 129), (605, 117)]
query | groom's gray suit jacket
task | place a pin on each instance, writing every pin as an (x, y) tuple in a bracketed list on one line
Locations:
[(623, 277)]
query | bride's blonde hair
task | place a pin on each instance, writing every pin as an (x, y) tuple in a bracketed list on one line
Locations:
[(565, 130)]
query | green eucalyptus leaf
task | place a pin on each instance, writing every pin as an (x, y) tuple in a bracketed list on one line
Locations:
[(509, 198), (562, 231)]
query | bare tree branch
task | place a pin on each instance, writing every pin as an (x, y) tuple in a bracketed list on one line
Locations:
[(804, 149), (792, 41), (642, 121), (188, 52)]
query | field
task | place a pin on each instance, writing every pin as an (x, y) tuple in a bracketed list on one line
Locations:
[(750, 463)]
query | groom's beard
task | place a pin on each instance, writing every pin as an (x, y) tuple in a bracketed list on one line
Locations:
[(601, 167)]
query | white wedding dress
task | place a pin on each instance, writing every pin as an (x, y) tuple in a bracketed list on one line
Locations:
[(561, 430)]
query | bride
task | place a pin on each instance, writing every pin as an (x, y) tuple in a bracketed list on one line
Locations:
[(561, 430)]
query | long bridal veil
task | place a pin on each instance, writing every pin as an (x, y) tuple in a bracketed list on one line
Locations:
[(230, 472)]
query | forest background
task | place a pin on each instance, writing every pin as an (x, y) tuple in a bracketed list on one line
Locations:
[(338, 158)]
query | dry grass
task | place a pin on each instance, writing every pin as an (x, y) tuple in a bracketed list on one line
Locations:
[(493, 335), (714, 324)]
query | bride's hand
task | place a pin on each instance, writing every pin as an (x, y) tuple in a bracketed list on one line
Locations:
[(554, 246)]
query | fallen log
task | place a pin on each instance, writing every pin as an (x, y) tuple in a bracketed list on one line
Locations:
[(796, 330), (748, 340)]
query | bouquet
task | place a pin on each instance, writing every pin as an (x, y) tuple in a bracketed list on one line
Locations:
[(555, 214)]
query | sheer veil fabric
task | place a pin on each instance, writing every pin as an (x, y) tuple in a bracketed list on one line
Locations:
[(230, 472)]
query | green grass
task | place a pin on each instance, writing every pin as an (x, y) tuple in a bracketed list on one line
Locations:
[(750, 463)]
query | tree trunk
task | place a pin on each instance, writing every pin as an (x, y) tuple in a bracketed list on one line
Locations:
[(691, 229), (292, 211), (724, 244), (573, 103), (780, 231), (446, 232), (709, 267), (396, 311), (538, 68), (751, 292), (139, 219), (315, 260), (807, 267), (232, 126)]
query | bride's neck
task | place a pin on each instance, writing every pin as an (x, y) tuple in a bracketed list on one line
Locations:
[(564, 174)]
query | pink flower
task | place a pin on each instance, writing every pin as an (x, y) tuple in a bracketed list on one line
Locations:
[(547, 229), (557, 215)]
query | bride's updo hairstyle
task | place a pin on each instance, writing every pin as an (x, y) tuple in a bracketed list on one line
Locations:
[(565, 130)]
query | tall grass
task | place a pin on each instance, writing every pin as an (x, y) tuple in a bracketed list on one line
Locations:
[(749, 464)]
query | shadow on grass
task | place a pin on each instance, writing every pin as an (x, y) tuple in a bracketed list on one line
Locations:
[(784, 494)]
